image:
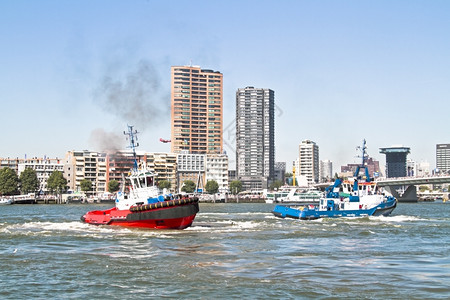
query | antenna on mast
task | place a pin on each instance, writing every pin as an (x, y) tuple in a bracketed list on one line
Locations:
[(132, 137)]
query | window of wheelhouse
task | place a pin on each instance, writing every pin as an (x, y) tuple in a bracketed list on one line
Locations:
[(142, 182), (149, 180)]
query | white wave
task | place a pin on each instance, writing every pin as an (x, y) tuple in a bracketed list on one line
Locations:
[(225, 226), (397, 219)]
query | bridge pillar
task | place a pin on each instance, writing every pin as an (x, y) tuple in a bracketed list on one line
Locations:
[(410, 194)]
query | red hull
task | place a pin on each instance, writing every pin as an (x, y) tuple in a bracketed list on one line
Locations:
[(173, 217)]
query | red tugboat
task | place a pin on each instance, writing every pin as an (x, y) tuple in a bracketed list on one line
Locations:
[(144, 205)]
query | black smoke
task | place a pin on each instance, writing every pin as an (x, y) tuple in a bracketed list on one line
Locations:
[(135, 99)]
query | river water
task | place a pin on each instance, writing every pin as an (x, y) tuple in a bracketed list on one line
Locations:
[(231, 251)]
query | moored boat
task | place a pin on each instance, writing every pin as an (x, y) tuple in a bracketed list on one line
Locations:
[(144, 205), (345, 199), (6, 201)]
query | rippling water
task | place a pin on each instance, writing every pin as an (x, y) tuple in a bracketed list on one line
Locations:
[(231, 251)]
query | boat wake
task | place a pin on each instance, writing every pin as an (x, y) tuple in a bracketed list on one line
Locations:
[(397, 219)]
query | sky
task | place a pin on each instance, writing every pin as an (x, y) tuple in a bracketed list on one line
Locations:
[(73, 74)]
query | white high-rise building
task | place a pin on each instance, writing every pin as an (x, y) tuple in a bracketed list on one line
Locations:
[(309, 161), (255, 137)]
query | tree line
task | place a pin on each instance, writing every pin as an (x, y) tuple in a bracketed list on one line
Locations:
[(28, 182)]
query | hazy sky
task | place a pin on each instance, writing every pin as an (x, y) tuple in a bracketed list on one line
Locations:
[(74, 73)]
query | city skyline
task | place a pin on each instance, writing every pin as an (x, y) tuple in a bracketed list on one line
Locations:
[(75, 73)]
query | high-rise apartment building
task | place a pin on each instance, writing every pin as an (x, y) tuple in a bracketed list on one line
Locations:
[(309, 161), (443, 157), (255, 137), (196, 110)]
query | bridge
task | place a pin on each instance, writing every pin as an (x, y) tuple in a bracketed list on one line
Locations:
[(410, 193)]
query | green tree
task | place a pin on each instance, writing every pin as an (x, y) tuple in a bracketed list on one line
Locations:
[(164, 184), (235, 187), (212, 187), (9, 182), (86, 185), (29, 183), (113, 186), (276, 184), (423, 188), (56, 183), (188, 186)]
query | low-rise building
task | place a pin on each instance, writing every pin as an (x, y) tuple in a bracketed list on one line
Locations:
[(43, 168), (217, 169)]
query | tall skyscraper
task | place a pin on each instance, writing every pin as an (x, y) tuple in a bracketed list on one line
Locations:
[(255, 137), (443, 157), (196, 110), (309, 161)]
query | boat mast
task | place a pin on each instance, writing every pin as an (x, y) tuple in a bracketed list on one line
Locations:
[(364, 156), (132, 137)]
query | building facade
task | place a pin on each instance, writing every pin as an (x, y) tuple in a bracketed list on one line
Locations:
[(255, 137), (12, 163), (217, 170), (373, 167), (196, 110), (280, 171), (396, 165), (43, 168), (443, 157), (325, 171), (309, 161), (80, 165), (165, 167), (191, 167)]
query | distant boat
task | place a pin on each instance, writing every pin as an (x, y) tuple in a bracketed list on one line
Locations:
[(164, 141), (144, 205), (345, 199), (6, 201)]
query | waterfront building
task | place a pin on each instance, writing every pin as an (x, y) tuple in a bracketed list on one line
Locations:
[(165, 167), (90, 165), (196, 110), (373, 167), (443, 157), (12, 163), (43, 168), (396, 161), (325, 170), (120, 163), (164, 164), (300, 180), (191, 167), (309, 161), (280, 171), (217, 170), (418, 169), (232, 175), (422, 169), (255, 137)]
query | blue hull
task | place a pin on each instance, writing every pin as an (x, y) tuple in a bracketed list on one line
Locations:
[(304, 213)]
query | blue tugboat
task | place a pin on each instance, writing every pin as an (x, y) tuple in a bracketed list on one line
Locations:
[(358, 198)]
